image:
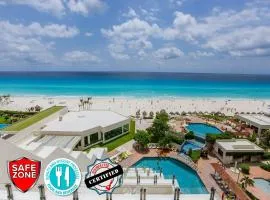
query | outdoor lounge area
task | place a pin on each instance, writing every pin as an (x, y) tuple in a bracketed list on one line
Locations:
[(237, 150), (92, 127), (260, 122)]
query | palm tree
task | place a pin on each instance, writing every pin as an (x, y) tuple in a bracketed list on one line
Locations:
[(138, 114), (144, 114), (151, 114), (246, 181)]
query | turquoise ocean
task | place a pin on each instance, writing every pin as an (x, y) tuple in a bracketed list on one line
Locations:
[(135, 84)]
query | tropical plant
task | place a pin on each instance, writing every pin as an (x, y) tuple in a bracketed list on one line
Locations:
[(151, 114), (165, 142), (189, 135), (138, 114), (244, 168), (144, 114), (246, 181), (266, 166), (142, 138), (158, 129)]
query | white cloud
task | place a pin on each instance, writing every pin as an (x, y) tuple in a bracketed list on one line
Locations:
[(198, 54), (88, 34), (35, 29), (85, 7), (168, 53), (2, 3), (56, 7), (132, 35), (117, 52), (244, 39), (59, 7), (80, 57), (26, 44), (177, 3), (130, 14), (131, 29)]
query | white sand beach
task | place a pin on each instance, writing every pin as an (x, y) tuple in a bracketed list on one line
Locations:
[(129, 106)]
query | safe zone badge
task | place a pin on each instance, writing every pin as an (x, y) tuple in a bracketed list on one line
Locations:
[(103, 176), (24, 173)]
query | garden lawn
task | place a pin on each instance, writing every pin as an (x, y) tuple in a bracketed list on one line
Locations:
[(114, 143), (18, 126)]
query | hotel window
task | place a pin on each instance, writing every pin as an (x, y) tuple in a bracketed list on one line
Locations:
[(113, 133), (86, 141), (220, 152), (126, 128), (94, 138)]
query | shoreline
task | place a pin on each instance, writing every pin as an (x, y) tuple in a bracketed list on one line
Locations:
[(138, 97), (129, 105)]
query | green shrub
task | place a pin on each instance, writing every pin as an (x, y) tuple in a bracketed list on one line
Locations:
[(266, 167), (244, 168), (177, 139), (211, 138), (266, 156), (189, 136), (195, 155)]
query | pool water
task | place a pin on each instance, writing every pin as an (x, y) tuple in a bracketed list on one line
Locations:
[(201, 129), (3, 126), (190, 145), (188, 179), (263, 184)]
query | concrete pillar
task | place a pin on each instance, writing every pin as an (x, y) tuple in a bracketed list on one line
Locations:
[(9, 192), (75, 195), (212, 195), (141, 194), (259, 132), (41, 192), (144, 194), (82, 142), (103, 137)]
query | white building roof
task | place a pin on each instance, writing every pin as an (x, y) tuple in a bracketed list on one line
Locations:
[(84, 120), (239, 145), (257, 120)]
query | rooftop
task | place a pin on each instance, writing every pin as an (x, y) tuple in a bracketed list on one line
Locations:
[(239, 145), (255, 119), (84, 120)]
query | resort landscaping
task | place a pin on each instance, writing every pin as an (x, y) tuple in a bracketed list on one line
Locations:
[(33, 118), (171, 133)]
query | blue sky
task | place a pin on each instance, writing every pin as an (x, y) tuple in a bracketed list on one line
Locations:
[(135, 35)]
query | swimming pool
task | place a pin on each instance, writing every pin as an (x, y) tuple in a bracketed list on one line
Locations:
[(263, 184), (190, 145), (201, 129), (187, 178), (3, 126)]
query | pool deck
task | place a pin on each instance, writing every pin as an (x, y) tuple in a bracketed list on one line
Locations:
[(204, 167)]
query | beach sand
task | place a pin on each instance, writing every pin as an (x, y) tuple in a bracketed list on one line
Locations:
[(129, 105)]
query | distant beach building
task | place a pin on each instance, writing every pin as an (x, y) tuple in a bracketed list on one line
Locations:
[(237, 150), (261, 122), (83, 129)]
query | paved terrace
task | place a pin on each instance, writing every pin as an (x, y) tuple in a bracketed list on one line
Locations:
[(255, 172)]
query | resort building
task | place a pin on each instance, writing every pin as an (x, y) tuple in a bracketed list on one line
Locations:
[(261, 122), (237, 150), (83, 129)]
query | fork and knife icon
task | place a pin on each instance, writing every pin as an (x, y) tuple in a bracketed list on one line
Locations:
[(59, 173)]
